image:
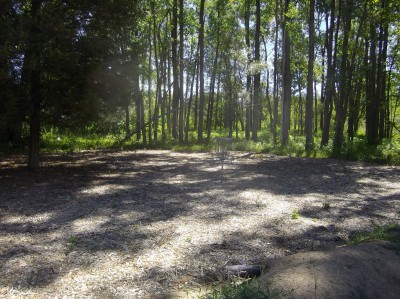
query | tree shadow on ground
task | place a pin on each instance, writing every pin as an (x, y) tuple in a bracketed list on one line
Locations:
[(84, 204)]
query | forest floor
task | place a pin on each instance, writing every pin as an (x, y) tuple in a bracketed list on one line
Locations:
[(158, 224)]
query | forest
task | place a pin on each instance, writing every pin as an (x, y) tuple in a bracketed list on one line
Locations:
[(151, 71), (110, 114)]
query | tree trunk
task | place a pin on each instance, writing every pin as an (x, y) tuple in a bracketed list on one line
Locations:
[(33, 51), (372, 108), (310, 79), (212, 84), (383, 49), (175, 71), (287, 80), (201, 68), (127, 120), (248, 77), (275, 81), (181, 97), (216, 120), (257, 76), (344, 83), (328, 104), (191, 97), (149, 82)]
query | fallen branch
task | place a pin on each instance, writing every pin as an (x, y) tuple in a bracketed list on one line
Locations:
[(244, 271)]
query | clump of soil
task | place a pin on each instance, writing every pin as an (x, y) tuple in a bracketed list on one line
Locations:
[(369, 270), (142, 224)]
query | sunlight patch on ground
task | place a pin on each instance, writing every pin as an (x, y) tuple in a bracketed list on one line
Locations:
[(32, 220), (90, 224), (103, 189)]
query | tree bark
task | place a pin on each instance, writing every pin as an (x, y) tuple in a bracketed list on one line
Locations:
[(287, 80), (248, 126), (149, 82), (181, 69), (275, 81), (201, 69), (372, 108), (212, 83), (33, 51), (175, 70), (257, 76), (328, 103), (344, 83), (310, 79)]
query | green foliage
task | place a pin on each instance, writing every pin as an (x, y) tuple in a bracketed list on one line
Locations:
[(389, 233), (387, 152), (295, 214), (70, 142), (72, 243)]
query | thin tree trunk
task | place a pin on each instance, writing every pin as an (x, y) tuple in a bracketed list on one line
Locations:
[(201, 68), (127, 120), (175, 70), (328, 103), (212, 85), (248, 77), (149, 82), (257, 76), (217, 104), (33, 52), (287, 81), (372, 115), (181, 96), (191, 97), (310, 79), (275, 81), (383, 48), (344, 82)]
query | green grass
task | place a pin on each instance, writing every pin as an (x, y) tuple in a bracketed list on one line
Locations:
[(389, 233), (72, 243), (246, 290), (387, 152), (54, 142)]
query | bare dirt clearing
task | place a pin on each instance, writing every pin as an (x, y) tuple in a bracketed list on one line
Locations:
[(141, 224)]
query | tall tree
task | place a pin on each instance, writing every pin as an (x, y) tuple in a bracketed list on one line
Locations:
[(341, 104), (248, 108), (276, 72), (328, 102), (181, 70), (201, 70), (257, 76), (310, 78), (32, 61), (287, 80), (175, 70)]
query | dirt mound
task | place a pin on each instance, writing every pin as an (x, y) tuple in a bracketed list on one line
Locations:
[(369, 270)]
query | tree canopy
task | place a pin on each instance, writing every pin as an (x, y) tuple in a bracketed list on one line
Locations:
[(325, 69)]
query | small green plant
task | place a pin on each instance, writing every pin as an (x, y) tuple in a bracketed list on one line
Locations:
[(326, 206), (72, 243), (389, 233), (295, 214)]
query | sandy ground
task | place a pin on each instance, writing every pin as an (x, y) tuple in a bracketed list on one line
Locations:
[(145, 224)]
